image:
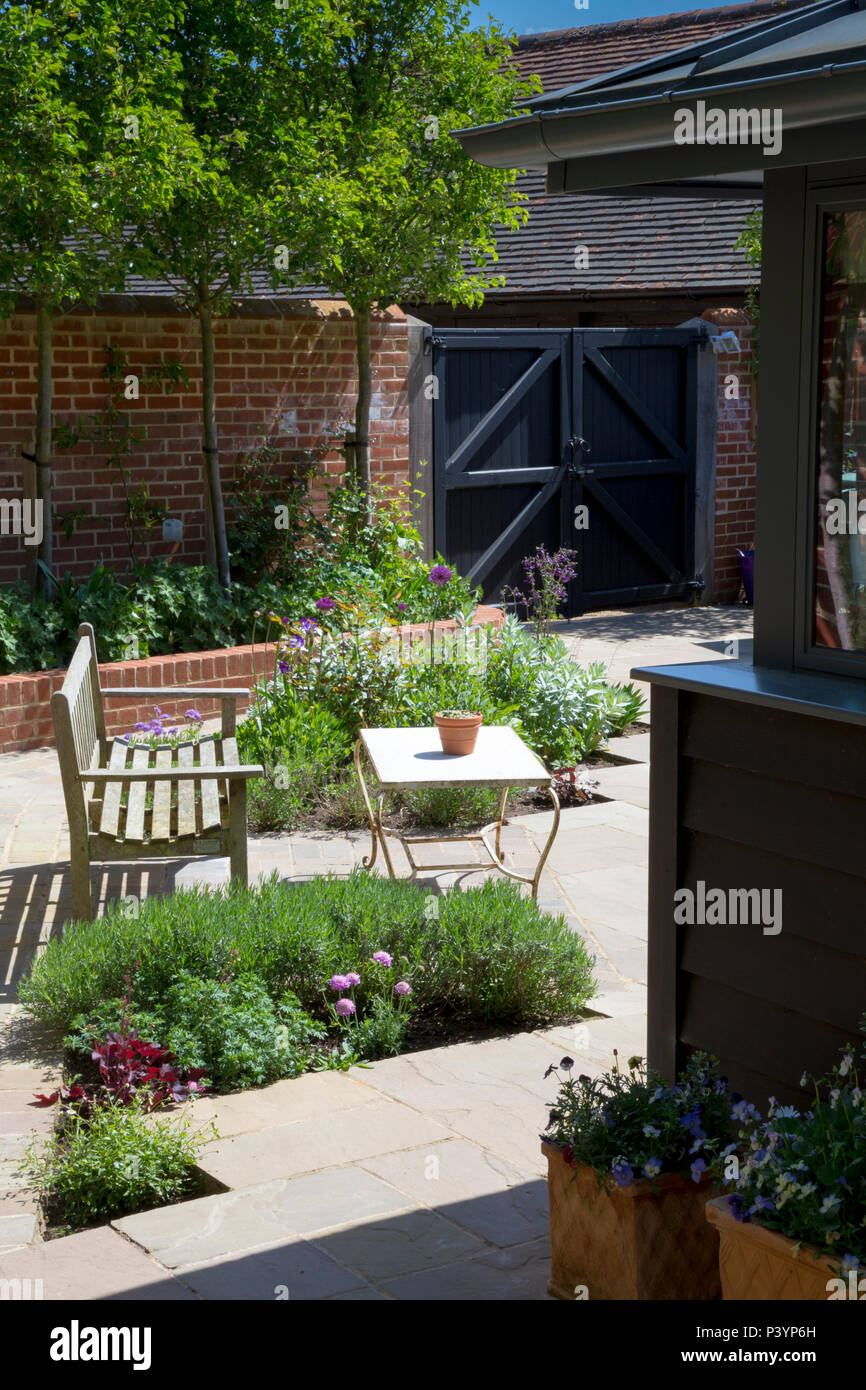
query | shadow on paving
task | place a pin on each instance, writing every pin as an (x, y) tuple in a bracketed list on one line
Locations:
[(493, 1247)]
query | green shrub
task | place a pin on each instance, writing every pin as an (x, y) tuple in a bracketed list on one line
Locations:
[(487, 953), (114, 1162), (229, 1029)]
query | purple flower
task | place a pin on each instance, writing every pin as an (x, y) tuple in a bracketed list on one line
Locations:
[(296, 641), (324, 605), (402, 607), (193, 715), (353, 979), (652, 1167), (382, 958), (345, 1008), (440, 574), (623, 1172), (283, 667), (402, 987), (736, 1202), (338, 982), (308, 624), (143, 727), (698, 1169)]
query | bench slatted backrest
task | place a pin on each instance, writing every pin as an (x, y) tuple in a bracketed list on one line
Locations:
[(79, 728)]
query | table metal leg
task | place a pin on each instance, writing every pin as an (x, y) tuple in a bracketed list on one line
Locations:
[(369, 860), (501, 816), (383, 837), (550, 839)]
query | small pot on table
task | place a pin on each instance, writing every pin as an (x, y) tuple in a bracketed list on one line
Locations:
[(458, 730)]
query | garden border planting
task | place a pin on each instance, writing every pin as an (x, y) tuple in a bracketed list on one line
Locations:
[(25, 699)]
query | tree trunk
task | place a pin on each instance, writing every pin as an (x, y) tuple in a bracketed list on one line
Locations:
[(218, 553), (41, 490), (360, 445)]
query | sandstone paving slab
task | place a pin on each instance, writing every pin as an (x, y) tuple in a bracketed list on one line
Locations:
[(619, 900), (634, 747), (597, 847), (627, 953), (472, 1187), (302, 1098), (230, 1222), (626, 1033), (17, 1229), (382, 1249), (90, 1265), (292, 1270), (628, 783), (365, 1294), (518, 1274), (325, 1141)]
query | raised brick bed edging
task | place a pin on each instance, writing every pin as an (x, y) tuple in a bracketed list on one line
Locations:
[(25, 699)]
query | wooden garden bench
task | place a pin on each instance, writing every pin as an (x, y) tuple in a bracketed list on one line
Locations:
[(129, 801)]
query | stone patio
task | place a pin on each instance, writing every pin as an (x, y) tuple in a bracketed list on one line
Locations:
[(419, 1177)]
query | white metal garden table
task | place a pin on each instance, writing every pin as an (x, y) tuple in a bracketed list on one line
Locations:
[(412, 760)]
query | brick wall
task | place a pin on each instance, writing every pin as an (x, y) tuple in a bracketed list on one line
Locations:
[(25, 700), (735, 467), (293, 373)]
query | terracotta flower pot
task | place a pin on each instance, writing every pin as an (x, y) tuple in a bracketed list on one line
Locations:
[(645, 1241), (458, 736), (759, 1264)]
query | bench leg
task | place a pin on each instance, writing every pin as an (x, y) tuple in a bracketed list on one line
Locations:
[(82, 893), (238, 830)]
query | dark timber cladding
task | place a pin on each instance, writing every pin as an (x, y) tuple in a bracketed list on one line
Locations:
[(727, 773), (758, 773), (537, 432)]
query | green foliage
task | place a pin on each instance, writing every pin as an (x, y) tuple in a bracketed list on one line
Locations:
[(629, 1125), (804, 1173), (116, 1161), (382, 1033), (229, 1029), (488, 953)]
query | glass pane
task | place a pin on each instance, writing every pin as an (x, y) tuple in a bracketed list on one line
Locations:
[(840, 590)]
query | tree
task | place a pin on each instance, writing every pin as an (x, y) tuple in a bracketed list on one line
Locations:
[(243, 102), (75, 82), (410, 215)]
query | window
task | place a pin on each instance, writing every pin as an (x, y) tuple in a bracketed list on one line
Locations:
[(839, 598)]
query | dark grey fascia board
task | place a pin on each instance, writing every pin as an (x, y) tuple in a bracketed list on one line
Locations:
[(646, 123), (825, 697), (840, 141)]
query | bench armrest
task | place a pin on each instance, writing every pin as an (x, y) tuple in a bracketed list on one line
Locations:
[(171, 692), (172, 774)]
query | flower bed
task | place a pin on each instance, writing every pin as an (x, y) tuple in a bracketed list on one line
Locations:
[(25, 700), (233, 989)]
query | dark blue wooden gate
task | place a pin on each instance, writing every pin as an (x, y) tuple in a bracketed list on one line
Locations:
[(530, 425)]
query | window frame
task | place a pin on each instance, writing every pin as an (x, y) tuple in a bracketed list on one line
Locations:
[(826, 198)]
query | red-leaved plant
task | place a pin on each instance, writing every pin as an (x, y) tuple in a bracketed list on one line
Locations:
[(131, 1069)]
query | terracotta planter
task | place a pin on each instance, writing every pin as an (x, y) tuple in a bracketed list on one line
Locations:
[(646, 1241), (458, 736), (759, 1264)]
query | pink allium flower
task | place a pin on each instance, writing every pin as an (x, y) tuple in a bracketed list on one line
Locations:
[(382, 958), (338, 982), (345, 1008), (353, 979), (402, 987), (324, 604)]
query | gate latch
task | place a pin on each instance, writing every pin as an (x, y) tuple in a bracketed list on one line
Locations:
[(577, 444)]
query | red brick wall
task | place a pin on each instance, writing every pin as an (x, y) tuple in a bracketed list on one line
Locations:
[(25, 700), (735, 467), (294, 373)]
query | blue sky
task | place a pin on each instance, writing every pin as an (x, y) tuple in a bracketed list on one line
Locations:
[(536, 16)]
